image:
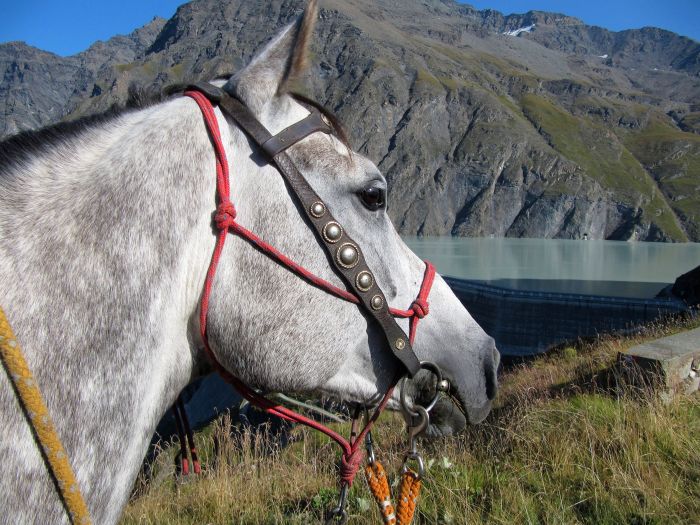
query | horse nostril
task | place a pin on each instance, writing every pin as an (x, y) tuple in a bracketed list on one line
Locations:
[(496, 358), (491, 381), (490, 373)]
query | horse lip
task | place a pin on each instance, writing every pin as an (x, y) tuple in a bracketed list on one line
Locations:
[(453, 412), (476, 415), (454, 397), (472, 414), (451, 415)]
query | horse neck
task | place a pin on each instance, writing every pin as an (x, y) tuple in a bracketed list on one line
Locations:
[(103, 249)]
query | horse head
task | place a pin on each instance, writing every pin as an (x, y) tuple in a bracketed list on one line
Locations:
[(276, 332)]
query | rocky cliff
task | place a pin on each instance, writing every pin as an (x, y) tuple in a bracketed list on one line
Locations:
[(532, 125)]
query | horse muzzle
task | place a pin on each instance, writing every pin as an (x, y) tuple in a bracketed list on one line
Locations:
[(469, 398)]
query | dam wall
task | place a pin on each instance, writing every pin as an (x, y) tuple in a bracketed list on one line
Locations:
[(530, 322)]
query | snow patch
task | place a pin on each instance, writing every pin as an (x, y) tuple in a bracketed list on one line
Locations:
[(516, 32)]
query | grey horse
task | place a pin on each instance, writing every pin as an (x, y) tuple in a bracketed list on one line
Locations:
[(105, 238)]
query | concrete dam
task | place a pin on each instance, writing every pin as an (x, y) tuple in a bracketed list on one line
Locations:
[(533, 294)]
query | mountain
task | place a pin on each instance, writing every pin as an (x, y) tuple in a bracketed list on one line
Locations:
[(39, 88), (531, 125)]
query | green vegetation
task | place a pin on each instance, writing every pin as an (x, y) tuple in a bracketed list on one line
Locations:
[(604, 158), (567, 442), (423, 76), (673, 158), (514, 109), (443, 82), (148, 68), (482, 68), (123, 68), (177, 72), (601, 135), (691, 122)]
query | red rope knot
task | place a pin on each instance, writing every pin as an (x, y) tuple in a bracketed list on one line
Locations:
[(349, 465), (225, 215), (420, 308)]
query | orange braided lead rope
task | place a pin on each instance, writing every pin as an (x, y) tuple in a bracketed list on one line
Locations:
[(409, 490), (40, 421), (379, 486)]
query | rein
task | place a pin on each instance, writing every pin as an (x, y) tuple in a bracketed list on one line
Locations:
[(352, 269), (39, 420)]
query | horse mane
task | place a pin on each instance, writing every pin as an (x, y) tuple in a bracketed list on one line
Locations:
[(19, 147), (25, 144)]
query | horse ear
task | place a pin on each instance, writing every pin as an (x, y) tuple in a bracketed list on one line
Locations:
[(282, 61)]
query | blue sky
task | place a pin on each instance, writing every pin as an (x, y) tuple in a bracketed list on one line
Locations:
[(69, 26)]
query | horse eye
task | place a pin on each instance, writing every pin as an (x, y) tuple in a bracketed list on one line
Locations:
[(373, 198)]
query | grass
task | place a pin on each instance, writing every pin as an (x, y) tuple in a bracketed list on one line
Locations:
[(692, 122), (423, 76), (672, 156), (568, 442), (147, 68), (597, 150)]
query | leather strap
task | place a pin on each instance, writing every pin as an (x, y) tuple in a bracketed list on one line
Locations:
[(372, 298), (212, 92), (289, 136)]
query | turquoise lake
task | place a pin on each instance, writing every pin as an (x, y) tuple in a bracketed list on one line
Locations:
[(615, 268)]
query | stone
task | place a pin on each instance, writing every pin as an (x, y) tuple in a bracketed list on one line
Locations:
[(672, 360), (687, 287)]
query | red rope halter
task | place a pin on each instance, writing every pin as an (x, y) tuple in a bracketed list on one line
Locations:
[(225, 221)]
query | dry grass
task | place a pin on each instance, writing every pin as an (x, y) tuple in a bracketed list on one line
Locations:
[(567, 443)]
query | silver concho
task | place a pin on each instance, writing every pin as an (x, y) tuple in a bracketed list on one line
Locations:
[(400, 344), (317, 209), (364, 281), (347, 255), (332, 232), (376, 302)]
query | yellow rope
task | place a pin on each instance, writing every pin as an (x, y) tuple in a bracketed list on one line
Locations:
[(40, 421)]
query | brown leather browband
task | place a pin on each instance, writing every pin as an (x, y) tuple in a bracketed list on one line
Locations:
[(274, 147), (287, 137)]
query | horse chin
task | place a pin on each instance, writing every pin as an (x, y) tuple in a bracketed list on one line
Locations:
[(451, 415), (448, 417)]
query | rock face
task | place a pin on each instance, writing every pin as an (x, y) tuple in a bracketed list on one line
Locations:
[(40, 88), (560, 131), (687, 287)]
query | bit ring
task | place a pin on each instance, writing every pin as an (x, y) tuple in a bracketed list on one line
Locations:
[(431, 367)]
